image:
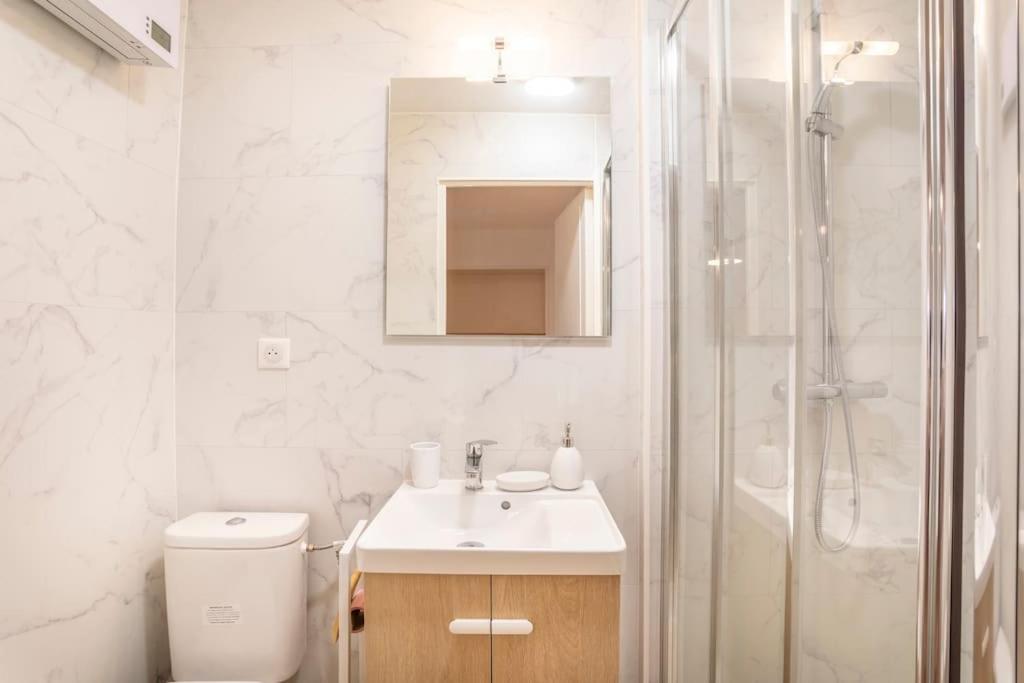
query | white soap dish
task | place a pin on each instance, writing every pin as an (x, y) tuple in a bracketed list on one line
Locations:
[(522, 481)]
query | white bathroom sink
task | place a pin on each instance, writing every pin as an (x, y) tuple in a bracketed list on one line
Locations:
[(450, 530)]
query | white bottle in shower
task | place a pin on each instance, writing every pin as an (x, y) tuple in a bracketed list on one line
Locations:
[(567, 465)]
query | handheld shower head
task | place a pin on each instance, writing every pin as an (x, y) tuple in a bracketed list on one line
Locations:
[(822, 102), (823, 99), (856, 47)]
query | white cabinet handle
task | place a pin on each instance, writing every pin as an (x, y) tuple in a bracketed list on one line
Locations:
[(511, 627), (485, 627), (470, 627)]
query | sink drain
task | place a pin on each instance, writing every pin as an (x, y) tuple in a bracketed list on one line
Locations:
[(470, 544)]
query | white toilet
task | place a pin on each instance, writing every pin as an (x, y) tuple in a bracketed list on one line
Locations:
[(236, 596)]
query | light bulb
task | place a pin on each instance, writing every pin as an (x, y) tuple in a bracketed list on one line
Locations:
[(550, 86)]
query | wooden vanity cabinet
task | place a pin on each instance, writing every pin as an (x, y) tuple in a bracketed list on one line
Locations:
[(575, 635), (575, 629), (406, 633)]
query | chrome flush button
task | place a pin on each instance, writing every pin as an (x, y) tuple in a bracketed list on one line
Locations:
[(235, 521)]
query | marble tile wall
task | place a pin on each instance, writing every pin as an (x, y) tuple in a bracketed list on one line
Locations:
[(87, 463), (281, 233)]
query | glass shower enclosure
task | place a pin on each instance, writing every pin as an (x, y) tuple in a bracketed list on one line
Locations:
[(842, 220)]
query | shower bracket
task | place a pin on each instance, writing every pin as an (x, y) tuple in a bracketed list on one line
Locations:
[(824, 392), (822, 125)]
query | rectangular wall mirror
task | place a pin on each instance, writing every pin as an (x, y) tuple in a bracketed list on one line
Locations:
[(499, 208)]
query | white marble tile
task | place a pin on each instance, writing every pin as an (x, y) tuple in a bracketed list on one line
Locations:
[(281, 244), (349, 387), (876, 602), (339, 115), (757, 39), (279, 22), (864, 111), (86, 438), (336, 487), (52, 71), (130, 624), (85, 226), (233, 244), (237, 111), (757, 418), (337, 252), (243, 23), (877, 237), (627, 243), (906, 124), (590, 19), (154, 117), (223, 399), (86, 418), (905, 397)]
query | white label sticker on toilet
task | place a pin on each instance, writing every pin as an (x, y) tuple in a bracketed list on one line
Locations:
[(222, 614)]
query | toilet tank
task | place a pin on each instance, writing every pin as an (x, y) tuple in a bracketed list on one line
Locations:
[(236, 595)]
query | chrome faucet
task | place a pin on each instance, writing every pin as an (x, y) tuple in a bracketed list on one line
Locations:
[(474, 472)]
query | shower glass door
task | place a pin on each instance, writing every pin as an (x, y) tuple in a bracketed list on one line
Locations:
[(794, 183), (730, 143), (693, 523), (756, 140)]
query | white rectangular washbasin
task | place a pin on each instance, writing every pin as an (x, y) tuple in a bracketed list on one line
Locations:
[(451, 530)]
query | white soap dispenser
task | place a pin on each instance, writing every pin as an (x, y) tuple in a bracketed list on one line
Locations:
[(567, 465)]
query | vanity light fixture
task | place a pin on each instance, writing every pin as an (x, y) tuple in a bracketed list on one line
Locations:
[(870, 48), (499, 75), (550, 86), (480, 73)]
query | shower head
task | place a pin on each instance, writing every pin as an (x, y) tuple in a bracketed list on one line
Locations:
[(824, 97), (856, 47)]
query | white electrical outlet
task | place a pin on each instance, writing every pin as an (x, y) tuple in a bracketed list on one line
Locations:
[(274, 353)]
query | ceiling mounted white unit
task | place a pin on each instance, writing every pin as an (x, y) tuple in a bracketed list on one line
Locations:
[(134, 31)]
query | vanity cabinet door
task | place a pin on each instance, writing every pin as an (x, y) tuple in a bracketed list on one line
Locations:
[(575, 634), (407, 635)]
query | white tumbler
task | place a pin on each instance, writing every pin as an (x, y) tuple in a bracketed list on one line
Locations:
[(426, 464)]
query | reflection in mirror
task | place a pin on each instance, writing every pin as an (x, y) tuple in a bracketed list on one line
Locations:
[(498, 209)]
